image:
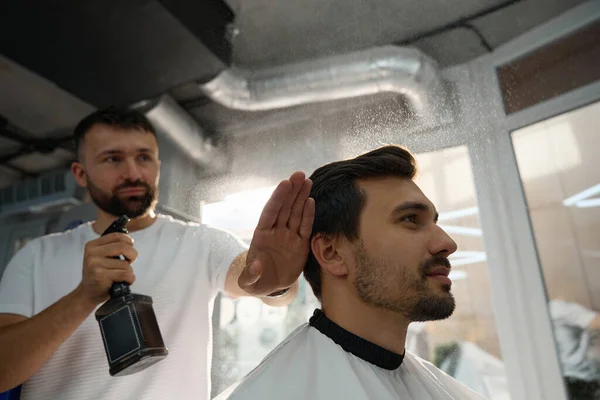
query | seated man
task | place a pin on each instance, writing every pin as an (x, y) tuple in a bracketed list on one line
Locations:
[(378, 262)]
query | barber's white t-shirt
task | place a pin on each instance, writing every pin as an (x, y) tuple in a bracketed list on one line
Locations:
[(322, 361), (180, 265)]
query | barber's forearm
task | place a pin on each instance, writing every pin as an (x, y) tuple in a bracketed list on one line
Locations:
[(283, 300), (25, 346), (233, 290)]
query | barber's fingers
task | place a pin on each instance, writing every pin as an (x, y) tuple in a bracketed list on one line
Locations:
[(308, 218), (297, 211), (110, 238), (250, 276), (276, 211), (272, 208), (121, 275), (113, 249), (297, 180), (110, 263)]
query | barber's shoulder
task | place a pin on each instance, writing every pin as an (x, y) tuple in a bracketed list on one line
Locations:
[(175, 225), (188, 231), (72, 238), (51, 238), (202, 236), (194, 228), (49, 244)]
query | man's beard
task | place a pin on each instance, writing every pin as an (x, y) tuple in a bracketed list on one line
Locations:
[(132, 206), (395, 288)]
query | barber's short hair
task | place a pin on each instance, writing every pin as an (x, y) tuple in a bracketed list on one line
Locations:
[(339, 201), (124, 118)]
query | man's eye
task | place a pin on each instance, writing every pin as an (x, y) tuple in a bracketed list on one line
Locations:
[(410, 218)]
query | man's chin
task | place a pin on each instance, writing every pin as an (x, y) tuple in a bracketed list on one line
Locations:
[(137, 213), (434, 307), (137, 206), (132, 211)]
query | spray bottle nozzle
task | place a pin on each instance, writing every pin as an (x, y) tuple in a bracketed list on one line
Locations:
[(122, 220), (118, 225)]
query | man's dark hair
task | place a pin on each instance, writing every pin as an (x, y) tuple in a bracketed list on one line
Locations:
[(124, 118), (339, 201)]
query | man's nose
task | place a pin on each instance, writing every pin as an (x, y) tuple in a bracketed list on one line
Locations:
[(132, 171), (443, 244)]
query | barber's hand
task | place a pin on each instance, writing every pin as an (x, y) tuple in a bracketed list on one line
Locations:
[(280, 244), (101, 270)]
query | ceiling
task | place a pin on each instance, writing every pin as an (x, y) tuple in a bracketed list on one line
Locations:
[(278, 32), (60, 61)]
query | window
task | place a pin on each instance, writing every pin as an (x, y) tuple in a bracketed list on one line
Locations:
[(560, 172)]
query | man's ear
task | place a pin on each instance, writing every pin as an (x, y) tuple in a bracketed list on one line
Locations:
[(79, 173), (329, 254)]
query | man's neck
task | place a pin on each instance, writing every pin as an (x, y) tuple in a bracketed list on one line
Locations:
[(384, 328), (104, 220)]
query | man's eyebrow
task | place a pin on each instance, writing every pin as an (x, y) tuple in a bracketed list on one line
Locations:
[(109, 151), (115, 151), (414, 205)]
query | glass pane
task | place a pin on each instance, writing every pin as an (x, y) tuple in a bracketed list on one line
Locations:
[(465, 345), (560, 170)]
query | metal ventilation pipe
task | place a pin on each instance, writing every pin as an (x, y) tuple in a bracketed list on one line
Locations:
[(405, 71), (173, 121)]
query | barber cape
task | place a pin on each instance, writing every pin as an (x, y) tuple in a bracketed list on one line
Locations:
[(322, 361)]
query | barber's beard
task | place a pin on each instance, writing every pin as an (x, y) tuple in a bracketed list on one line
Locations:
[(396, 288), (132, 206)]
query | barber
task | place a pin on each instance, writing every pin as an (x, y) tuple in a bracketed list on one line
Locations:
[(49, 339)]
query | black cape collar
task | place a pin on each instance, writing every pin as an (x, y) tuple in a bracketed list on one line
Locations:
[(354, 344)]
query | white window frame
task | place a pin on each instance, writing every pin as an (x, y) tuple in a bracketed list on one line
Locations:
[(518, 290)]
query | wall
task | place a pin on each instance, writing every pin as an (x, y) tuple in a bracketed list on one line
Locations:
[(179, 180)]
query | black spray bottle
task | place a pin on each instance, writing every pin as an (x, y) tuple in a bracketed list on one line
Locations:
[(128, 325)]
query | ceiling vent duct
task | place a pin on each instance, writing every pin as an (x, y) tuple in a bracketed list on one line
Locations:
[(171, 120), (405, 71)]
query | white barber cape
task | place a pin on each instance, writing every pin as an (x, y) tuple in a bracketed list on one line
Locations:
[(322, 361)]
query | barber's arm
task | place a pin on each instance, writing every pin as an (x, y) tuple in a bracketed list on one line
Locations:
[(26, 343), (234, 291), (279, 248)]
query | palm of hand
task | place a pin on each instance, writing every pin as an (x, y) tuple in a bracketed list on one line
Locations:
[(280, 244), (281, 254)]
